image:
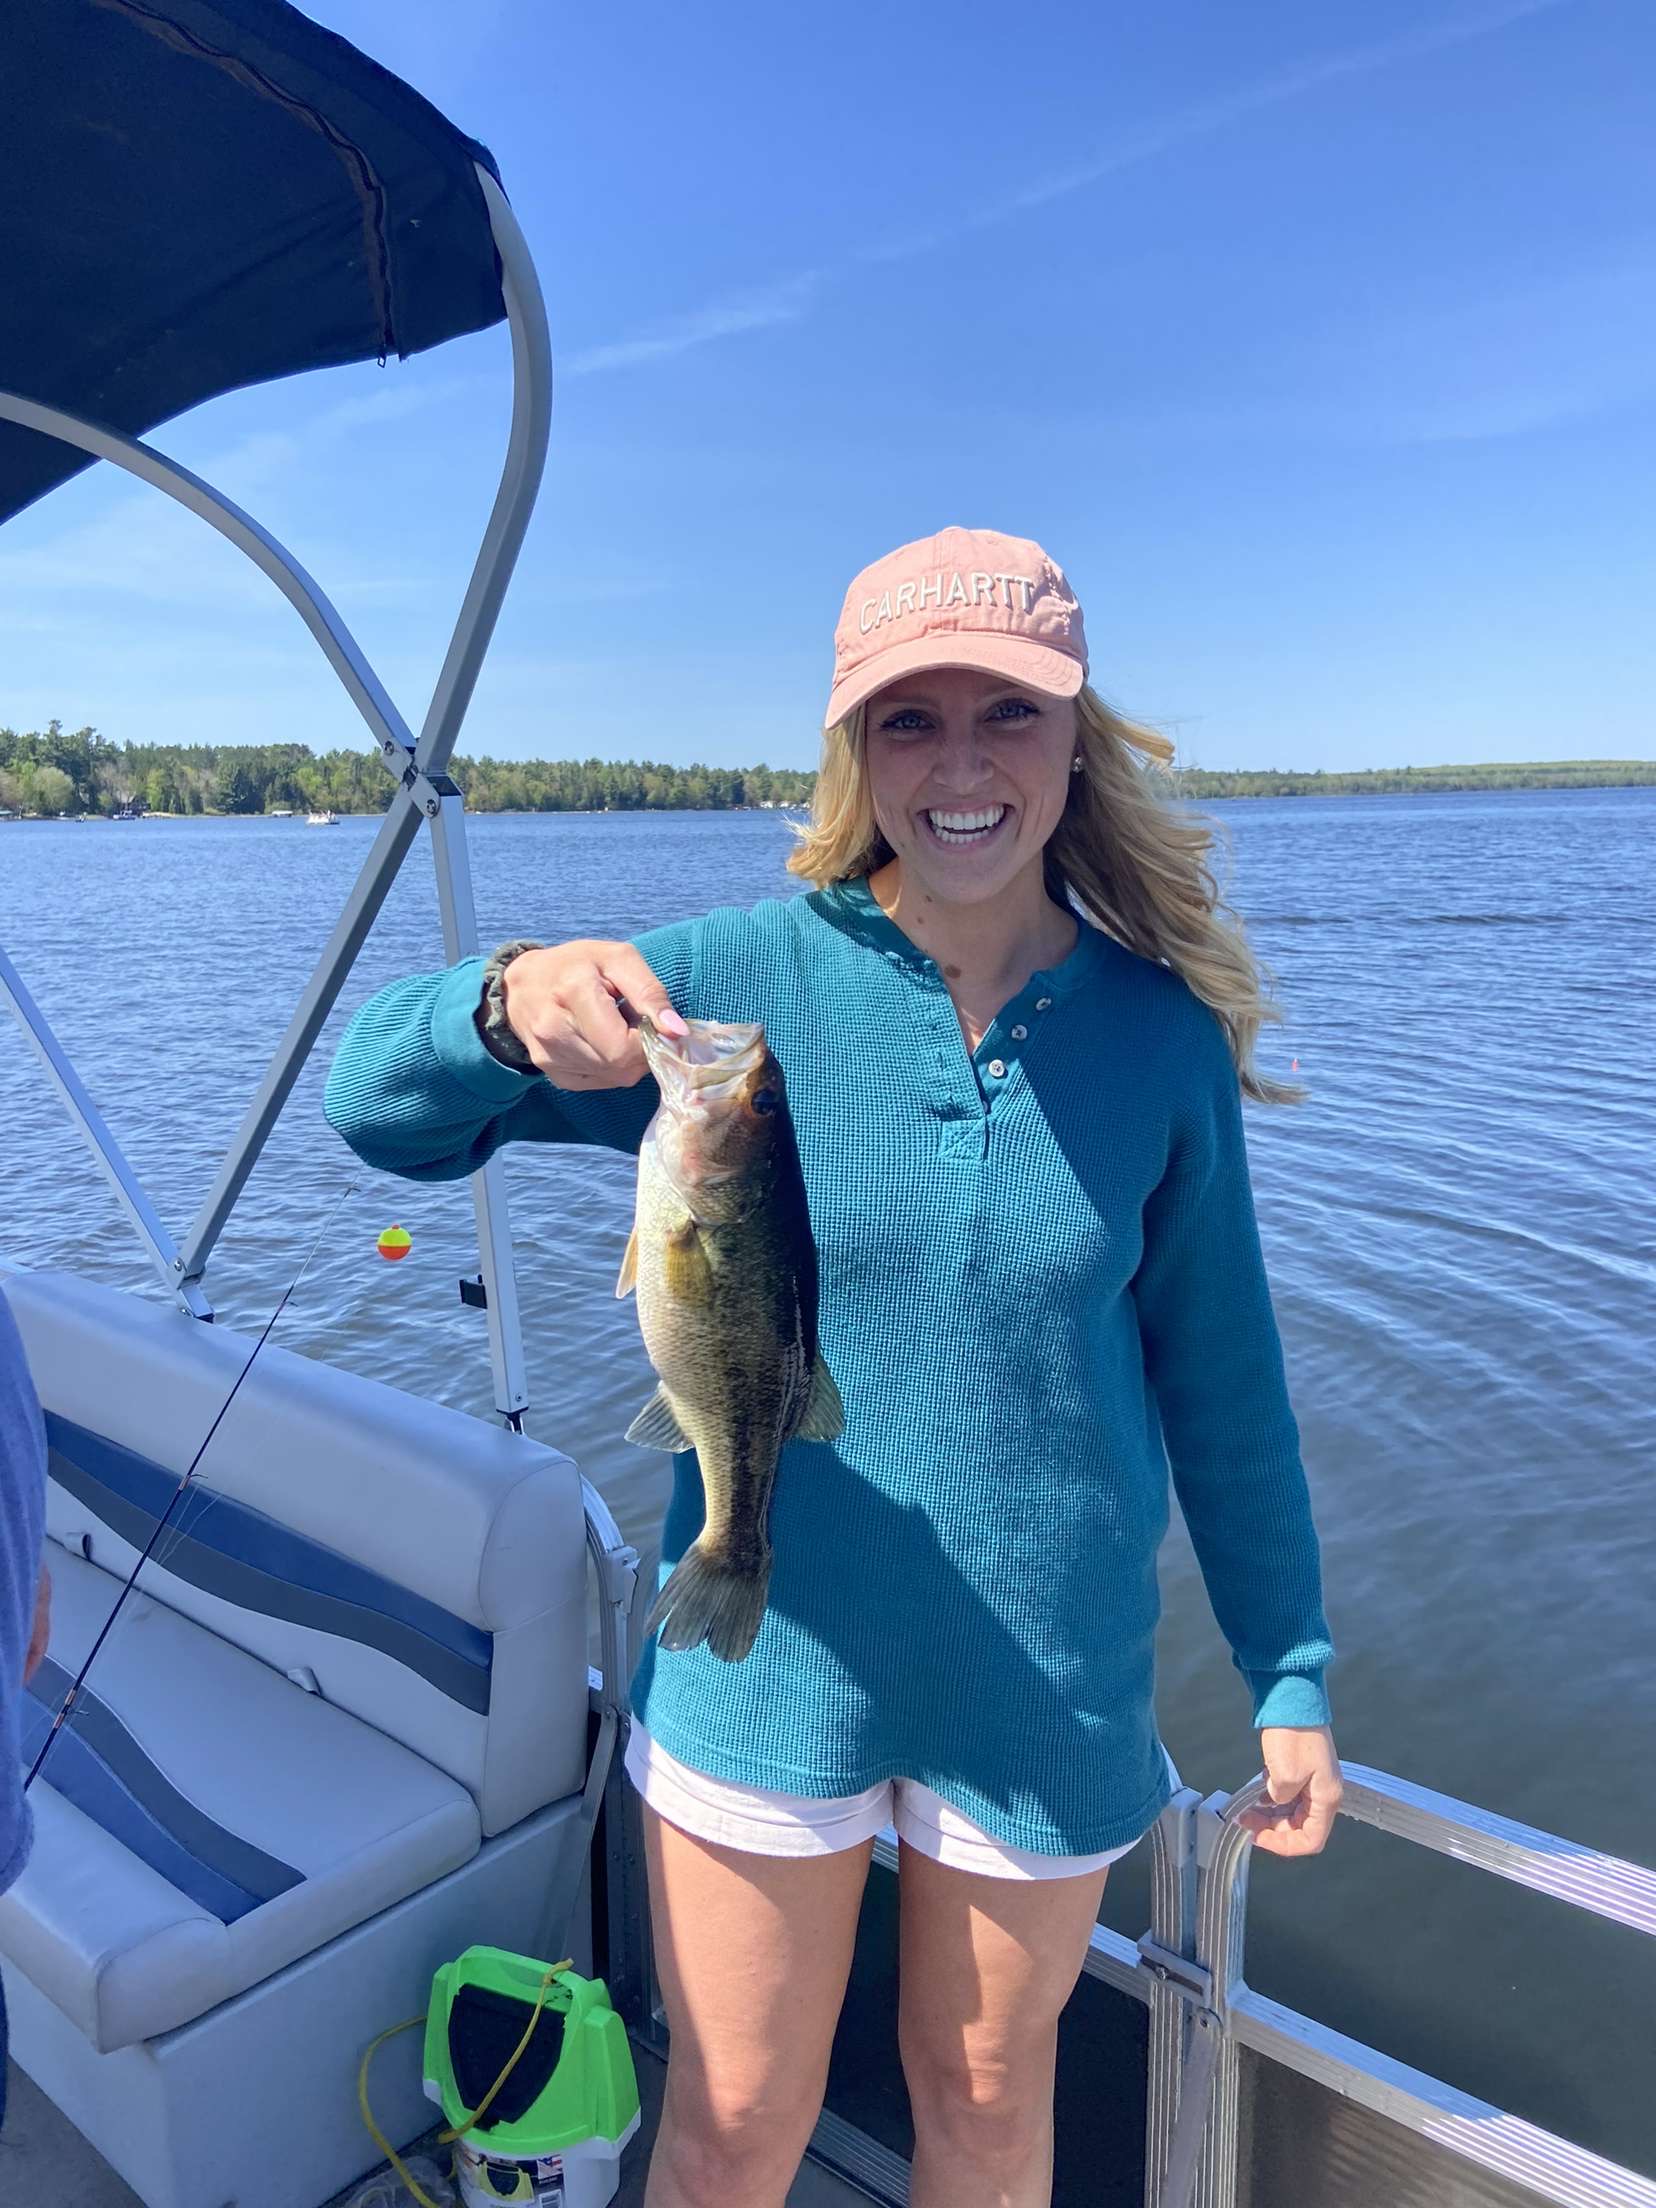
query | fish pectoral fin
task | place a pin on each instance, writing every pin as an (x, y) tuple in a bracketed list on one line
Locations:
[(629, 1267), (686, 1271), (657, 1425), (823, 1418)]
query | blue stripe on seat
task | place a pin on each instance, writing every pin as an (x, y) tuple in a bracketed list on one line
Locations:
[(98, 1765), (228, 1548)]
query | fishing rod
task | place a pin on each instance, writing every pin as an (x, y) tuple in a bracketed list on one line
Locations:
[(79, 1680)]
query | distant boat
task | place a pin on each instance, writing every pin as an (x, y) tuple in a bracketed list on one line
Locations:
[(131, 809), (281, 812), (320, 820)]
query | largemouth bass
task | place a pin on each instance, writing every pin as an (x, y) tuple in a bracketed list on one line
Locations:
[(725, 1270)]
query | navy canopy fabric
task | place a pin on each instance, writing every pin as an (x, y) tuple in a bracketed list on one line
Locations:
[(201, 194)]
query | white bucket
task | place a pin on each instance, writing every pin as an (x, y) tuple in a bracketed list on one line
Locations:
[(582, 2176)]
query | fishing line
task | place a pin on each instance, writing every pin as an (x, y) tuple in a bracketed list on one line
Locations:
[(107, 1627)]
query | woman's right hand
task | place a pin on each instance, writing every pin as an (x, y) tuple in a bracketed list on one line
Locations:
[(576, 1007)]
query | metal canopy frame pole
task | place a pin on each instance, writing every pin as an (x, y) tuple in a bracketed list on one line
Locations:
[(158, 1244), (497, 555), (424, 793)]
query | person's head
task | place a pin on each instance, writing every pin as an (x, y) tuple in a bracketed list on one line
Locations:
[(961, 701), (957, 662)]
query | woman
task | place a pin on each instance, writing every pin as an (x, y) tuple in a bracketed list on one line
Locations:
[(1016, 1037)]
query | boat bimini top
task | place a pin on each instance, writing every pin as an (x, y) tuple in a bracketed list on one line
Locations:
[(205, 194), (210, 193)]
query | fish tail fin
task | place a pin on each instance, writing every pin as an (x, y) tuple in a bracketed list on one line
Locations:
[(706, 1599)]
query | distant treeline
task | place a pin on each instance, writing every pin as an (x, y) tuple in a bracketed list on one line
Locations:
[(1563, 774), (52, 771)]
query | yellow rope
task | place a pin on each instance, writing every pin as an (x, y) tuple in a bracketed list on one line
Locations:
[(374, 2132), (446, 2138)]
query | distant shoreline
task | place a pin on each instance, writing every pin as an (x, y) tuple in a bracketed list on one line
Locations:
[(1563, 774), (486, 793)]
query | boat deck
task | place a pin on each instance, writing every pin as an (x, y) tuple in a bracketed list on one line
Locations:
[(43, 2157)]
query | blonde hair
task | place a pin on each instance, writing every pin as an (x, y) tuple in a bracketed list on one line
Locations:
[(1121, 856)]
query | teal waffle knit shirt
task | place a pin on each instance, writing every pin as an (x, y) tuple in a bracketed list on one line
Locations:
[(1042, 1289)]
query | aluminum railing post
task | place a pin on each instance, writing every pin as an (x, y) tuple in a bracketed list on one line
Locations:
[(1192, 2123), (1173, 1891), (1222, 1892)]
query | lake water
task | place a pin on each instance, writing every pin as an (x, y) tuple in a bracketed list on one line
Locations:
[(1461, 1238)]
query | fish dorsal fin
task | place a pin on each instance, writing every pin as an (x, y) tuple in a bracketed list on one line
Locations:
[(823, 1418), (657, 1425), (629, 1267)]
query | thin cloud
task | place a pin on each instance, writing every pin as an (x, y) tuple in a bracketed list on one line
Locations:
[(790, 300), (139, 544), (1206, 117), (143, 547), (1209, 116), (784, 302), (264, 455)]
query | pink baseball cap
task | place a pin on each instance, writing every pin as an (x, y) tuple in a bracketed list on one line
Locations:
[(964, 598)]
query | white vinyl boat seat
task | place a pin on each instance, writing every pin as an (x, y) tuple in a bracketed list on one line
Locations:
[(357, 1654), (207, 1821)]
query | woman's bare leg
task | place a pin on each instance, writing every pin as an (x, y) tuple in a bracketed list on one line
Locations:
[(987, 1965), (753, 1953)]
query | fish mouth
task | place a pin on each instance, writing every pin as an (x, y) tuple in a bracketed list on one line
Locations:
[(706, 1066)]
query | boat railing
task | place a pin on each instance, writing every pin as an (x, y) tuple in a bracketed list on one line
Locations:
[(1203, 2013), (1187, 1969)]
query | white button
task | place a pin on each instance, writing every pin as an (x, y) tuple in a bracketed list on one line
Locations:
[(1018, 1034), (1043, 1004), (996, 1068)]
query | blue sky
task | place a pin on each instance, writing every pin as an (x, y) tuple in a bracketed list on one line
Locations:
[(1317, 342)]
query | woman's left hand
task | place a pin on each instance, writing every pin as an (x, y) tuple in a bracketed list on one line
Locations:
[(1302, 1769)]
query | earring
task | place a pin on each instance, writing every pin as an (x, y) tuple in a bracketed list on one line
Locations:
[(1075, 764)]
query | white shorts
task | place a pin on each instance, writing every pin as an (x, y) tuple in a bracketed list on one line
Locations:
[(767, 1823)]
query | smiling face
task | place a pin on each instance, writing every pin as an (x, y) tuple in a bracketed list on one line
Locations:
[(969, 775)]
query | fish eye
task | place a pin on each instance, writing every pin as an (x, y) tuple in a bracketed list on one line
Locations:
[(766, 1100)]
